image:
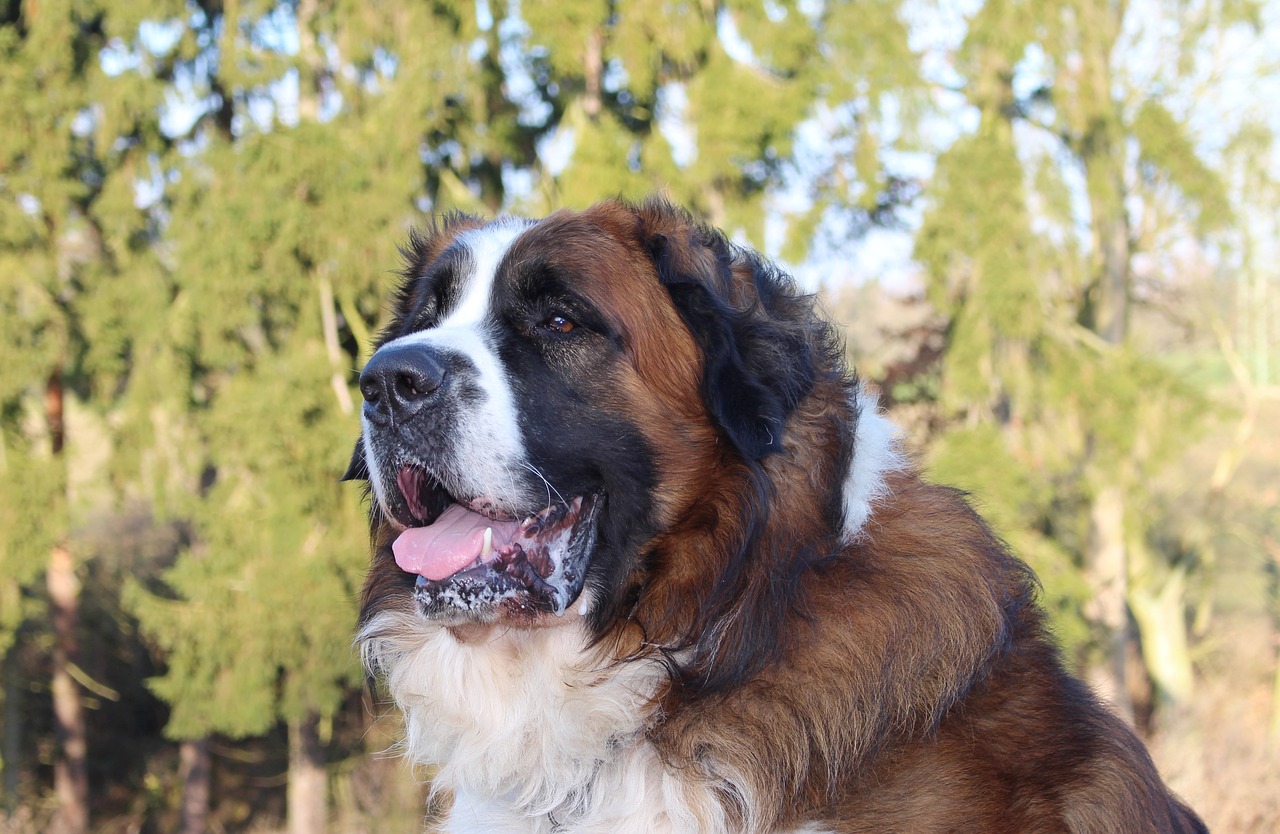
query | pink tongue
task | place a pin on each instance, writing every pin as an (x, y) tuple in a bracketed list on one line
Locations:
[(452, 543)]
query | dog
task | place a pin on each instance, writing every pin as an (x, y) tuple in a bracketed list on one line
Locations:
[(647, 558)]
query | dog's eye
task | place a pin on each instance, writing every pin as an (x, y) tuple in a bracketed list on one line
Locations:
[(558, 324)]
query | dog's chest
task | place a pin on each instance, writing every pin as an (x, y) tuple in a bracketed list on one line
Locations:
[(532, 731)]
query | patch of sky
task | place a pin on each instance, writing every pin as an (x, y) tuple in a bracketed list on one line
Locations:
[(484, 15), (842, 250), (187, 100), (284, 92), (673, 124), (555, 149), (844, 247), (118, 57), (276, 31), (83, 122), (160, 37), (1241, 65), (614, 79), (735, 46), (148, 190), (517, 182), (156, 37), (449, 154), (811, 9), (1033, 72), (1036, 148), (520, 68), (262, 112), (634, 159), (1037, 144)]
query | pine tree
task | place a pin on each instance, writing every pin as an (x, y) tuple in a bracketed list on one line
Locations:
[(704, 101), (1081, 407), (282, 229), (76, 140)]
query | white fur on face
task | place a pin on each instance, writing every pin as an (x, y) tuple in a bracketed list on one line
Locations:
[(487, 442), (876, 452)]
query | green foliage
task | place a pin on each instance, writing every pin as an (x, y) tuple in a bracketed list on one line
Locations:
[(976, 247), (1076, 410), (744, 104), (258, 628), (31, 517), (1168, 151), (69, 231), (1018, 501)]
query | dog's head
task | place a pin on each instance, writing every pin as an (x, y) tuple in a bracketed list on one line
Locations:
[(556, 401)]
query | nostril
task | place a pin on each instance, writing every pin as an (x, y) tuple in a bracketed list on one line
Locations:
[(411, 386), (371, 391)]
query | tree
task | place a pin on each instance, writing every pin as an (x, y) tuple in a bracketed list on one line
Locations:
[(69, 229), (274, 226), (1051, 359), (706, 101)]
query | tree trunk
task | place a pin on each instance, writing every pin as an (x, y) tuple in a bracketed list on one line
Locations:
[(308, 810), (1111, 237), (1108, 576), (593, 73), (1161, 617), (1275, 701), (12, 749), (329, 323), (196, 777), (1272, 547), (70, 769), (1101, 146)]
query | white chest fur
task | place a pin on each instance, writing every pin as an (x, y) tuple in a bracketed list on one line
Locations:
[(533, 732)]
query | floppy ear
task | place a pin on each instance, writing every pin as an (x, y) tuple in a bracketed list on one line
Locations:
[(749, 321), (358, 469)]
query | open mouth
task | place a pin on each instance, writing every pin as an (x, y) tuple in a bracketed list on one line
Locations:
[(473, 558)]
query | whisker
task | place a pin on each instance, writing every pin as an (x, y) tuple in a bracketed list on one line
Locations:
[(550, 488)]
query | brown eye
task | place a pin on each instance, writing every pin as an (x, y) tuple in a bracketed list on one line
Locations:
[(558, 324)]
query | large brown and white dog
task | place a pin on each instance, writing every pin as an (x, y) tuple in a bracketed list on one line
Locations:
[(647, 559)]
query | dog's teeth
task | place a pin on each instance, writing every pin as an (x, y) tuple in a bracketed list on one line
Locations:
[(486, 548)]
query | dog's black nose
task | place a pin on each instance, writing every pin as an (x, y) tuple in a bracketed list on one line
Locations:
[(399, 381)]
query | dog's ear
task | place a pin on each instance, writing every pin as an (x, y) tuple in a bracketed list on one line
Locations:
[(749, 320), (358, 468)]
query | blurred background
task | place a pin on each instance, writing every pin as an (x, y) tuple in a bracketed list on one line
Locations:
[(1051, 229)]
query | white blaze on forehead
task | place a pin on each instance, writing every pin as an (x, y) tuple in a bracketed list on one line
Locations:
[(486, 443), (487, 246), (876, 452)]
